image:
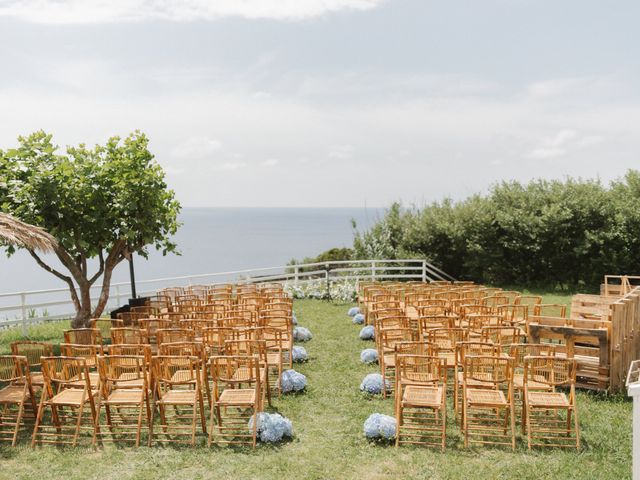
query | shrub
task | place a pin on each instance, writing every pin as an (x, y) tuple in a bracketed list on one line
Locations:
[(292, 381), (302, 334), (299, 354), (358, 319), (272, 427), (369, 355), (372, 384), (379, 426), (367, 333)]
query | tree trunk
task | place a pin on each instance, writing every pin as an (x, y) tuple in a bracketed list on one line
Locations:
[(83, 314)]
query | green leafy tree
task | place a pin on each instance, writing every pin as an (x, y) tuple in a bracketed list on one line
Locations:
[(106, 202)]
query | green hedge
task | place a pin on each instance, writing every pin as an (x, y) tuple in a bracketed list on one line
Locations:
[(564, 234)]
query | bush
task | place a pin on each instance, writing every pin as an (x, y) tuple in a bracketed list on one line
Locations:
[(369, 355), (299, 354), (358, 319), (292, 381), (372, 384), (565, 234), (367, 333), (302, 334), (353, 311), (272, 427), (379, 426)]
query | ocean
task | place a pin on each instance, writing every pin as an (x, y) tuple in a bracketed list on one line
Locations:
[(217, 240)]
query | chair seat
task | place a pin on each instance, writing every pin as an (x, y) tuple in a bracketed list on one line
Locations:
[(13, 394), (484, 397), (128, 396), (518, 383), (94, 380), (547, 399), (237, 396), (178, 397), (422, 396), (71, 397), (390, 360)]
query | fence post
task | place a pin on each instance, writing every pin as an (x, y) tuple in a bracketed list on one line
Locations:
[(424, 271), (373, 271), (296, 270), (23, 307), (118, 295)]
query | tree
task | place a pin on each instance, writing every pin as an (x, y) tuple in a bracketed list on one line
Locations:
[(106, 203)]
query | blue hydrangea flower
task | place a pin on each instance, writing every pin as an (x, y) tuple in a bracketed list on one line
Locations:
[(272, 427), (369, 355), (353, 311), (379, 426), (294, 319), (358, 319), (292, 381), (372, 384), (367, 333), (301, 334), (299, 354)]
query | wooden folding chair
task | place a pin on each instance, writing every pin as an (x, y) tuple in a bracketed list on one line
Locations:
[(386, 341), (551, 416), (16, 392), (237, 394), (83, 336), (128, 335), (33, 351), (67, 392), (488, 415), (421, 400), (125, 394), (178, 385)]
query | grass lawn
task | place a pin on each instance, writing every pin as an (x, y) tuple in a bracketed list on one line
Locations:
[(328, 440)]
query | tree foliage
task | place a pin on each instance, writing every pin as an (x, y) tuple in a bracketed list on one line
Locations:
[(559, 233), (104, 202)]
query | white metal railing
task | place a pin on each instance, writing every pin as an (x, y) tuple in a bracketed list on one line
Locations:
[(24, 308)]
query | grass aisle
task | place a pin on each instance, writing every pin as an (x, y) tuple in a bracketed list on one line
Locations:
[(328, 441)]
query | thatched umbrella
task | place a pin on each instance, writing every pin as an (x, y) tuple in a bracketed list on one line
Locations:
[(21, 234)]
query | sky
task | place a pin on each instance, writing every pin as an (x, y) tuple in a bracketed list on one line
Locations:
[(332, 103)]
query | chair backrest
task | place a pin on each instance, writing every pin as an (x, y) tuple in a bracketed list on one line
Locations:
[(550, 310), (246, 348), (234, 371), (165, 368), (83, 336), (475, 348), (446, 339), (129, 335), (183, 349), (518, 351), (59, 372), (550, 370), (89, 353), (13, 369), (33, 351), (172, 335), (121, 370), (501, 335), (414, 348), (387, 338), (494, 370), (214, 338), (420, 369), (430, 322), (132, 349)]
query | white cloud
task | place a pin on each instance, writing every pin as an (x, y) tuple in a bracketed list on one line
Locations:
[(341, 152), (229, 166), (196, 147), (108, 11), (563, 143), (271, 162)]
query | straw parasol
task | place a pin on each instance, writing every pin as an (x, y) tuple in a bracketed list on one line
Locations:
[(21, 234)]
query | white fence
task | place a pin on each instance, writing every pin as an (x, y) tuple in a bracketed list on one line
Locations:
[(24, 308)]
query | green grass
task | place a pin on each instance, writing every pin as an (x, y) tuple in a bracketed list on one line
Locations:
[(329, 442)]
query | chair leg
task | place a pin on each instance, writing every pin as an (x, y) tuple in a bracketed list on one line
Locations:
[(38, 419), (18, 420)]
